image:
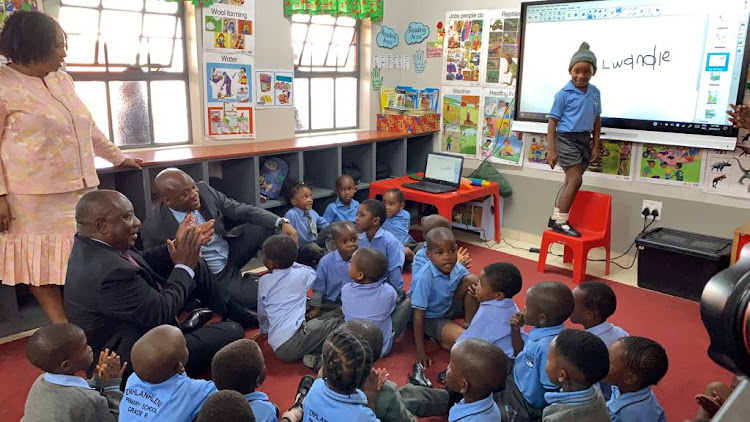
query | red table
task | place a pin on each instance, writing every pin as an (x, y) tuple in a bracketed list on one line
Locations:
[(443, 201)]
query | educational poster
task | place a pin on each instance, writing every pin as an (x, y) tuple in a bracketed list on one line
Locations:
[(536, 152), (229, 26), (8, 7), (728, 172), (460, 125), (615, 160), (497, 141), (670, 165), (274, 88), (228, 80), (463, 48), (435, 48), (502, 47)]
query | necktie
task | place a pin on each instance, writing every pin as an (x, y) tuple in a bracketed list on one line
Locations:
[(130, 258), (311, 223)]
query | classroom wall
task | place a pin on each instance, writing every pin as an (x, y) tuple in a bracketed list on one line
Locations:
[(530, 206)]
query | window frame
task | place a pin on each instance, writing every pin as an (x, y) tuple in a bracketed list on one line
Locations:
[(148, 76), (332, 74)]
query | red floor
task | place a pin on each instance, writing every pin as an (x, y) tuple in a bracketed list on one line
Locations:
[(673, 322)]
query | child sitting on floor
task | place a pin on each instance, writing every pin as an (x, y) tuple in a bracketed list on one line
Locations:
[(498, 283), (440, 293), (226, 406), (370, 217), (159, 388), (595, 302), (476, 370), (344, 208), (282, 301), (59, 395), (420, 257), (337, 396), (305, 220), (548, 305), (369, 297), (240, 366), (635, 364), (398, 221), (333, 270), (577, 361)]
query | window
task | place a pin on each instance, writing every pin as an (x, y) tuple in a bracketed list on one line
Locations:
[(326, 72), (127, 58)]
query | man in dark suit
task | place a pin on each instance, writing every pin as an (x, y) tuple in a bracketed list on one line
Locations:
[(116, 294), (239, 229)]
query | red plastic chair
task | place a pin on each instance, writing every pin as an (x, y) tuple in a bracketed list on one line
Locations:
[(591, 215)]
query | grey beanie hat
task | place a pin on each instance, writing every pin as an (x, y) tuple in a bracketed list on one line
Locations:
[(583, 55)]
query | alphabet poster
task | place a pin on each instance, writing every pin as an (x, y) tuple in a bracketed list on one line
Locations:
[(728, 172), (670, 165), (460, 120), (463, 48), (229, 26), (274, 88), (497, 141), (229, 93), (502, 47)]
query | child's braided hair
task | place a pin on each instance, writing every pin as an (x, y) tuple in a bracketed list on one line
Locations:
[(646, 358), (347, 359)]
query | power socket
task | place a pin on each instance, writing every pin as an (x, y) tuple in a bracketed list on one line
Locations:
[(653, 206)]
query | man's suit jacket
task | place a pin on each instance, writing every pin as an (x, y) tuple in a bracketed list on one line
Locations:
[(227, 212), (116, 302)]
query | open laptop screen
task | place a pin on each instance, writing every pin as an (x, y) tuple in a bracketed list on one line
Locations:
[(442, 168)]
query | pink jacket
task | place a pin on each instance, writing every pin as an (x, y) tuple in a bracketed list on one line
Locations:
[(47, 136)]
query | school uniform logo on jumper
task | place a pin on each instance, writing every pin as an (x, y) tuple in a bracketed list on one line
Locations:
[(530, 362)]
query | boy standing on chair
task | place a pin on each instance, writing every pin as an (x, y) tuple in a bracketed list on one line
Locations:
[(573, 132)]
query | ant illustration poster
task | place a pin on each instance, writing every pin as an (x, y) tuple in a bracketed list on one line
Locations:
[(728, 172), (497, 141), (463, 48), (229, 26), (228, 80), (670, 165), (274, 88), (502, 47), (460, 124)]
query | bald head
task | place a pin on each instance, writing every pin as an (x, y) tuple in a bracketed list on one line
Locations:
[(108, 216), (53, 344), (482, 363), (439, 236), (177, 189), (552, 301), (434, 220), (371, 262), (159, 354)]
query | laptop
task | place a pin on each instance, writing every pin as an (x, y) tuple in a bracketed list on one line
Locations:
[(442, 173)]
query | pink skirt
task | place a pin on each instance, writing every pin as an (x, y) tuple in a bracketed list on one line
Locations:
[(35, 250)]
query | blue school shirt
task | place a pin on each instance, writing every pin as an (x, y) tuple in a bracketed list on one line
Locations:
[(609, 333), (332, 274), (420, 259), (394, 253), (337, 211), (576, 110), (398, 226), (176, 399), (480, 411), (323, 404), (433, 291), (529, 372), (572, 398), (300, 223), (282, 299), (216, 252), (373, 302), (263, 409), (640, 405), (492, 324)]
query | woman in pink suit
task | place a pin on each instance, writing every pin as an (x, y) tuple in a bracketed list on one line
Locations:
[(47, 144)]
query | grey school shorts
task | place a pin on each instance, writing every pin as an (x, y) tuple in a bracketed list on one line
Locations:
[(573, 148), (433, 326)]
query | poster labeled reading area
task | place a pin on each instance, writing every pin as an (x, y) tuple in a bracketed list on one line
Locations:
[(502, 47), (463, 47), (497, 141), (228, 95), (460, 124), (274, 88), (728, 172), (670, 165), (229, 26)]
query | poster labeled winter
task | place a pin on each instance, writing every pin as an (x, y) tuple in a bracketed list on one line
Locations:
[(728, 172), (502, 27), (229, 26), (463, 48), (670, 165), (460, 123), (497, 141), (229, 107)]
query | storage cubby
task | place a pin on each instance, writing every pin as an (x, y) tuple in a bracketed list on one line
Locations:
[(321, 167), (392, 153), (132, 184), (363, 158), (240, 179), (417, 149), (294, 160)]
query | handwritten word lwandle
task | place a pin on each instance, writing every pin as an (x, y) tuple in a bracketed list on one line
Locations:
[(652, 59)]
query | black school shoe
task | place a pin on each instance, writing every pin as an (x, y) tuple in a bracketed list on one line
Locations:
[(245, 317), (563, 228), (418, 377), (441, 376), (304, 386), (196, 319)]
